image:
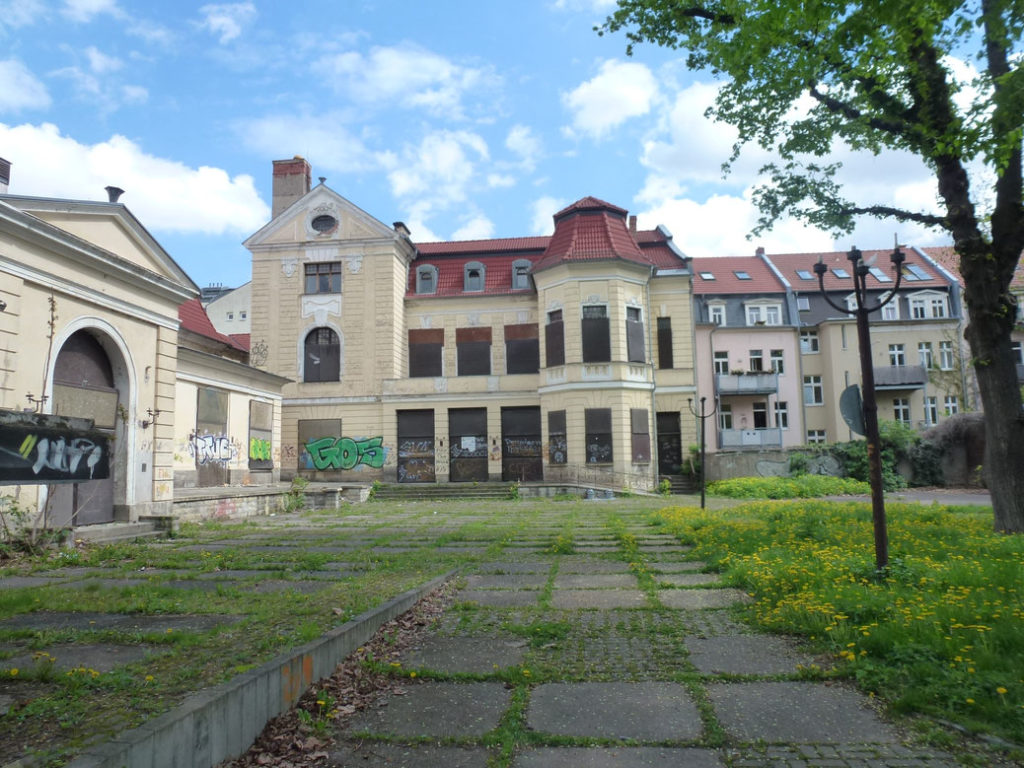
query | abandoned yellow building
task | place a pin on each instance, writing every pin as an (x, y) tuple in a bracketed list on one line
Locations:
[(561, 358)]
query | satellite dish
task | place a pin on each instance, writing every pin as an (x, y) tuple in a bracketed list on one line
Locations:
[(851, 408)]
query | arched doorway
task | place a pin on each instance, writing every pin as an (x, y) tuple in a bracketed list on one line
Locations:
[(85, 386)]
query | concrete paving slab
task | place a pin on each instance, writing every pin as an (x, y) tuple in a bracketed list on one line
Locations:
[(691, 599), (680, 566), (466, 655), (112, 583), (512, 566), (570, 565), (688, 579), (270, 586), (745, 655), (595, 548), (437, 710), (598, 598), (646, 711), (659, 548), (376, 754), (199, 585), (797, 712), (498, 598), (129, 623), (100, 657), (595, 581), (26, 582), (511, 581), (617, 757)]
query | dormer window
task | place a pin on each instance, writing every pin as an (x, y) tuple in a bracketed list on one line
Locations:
[(426, 279), (764, 313), (520, 274), (473, 277)]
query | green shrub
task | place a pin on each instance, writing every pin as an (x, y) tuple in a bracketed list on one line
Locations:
[(801, 487)]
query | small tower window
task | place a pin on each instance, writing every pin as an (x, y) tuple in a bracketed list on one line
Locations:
[(473, 278)]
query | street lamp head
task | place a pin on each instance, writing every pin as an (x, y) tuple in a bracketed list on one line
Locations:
[(897, 257), (819, 267), (854, 255)]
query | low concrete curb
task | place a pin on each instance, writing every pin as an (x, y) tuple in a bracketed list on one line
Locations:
[(221, 723)]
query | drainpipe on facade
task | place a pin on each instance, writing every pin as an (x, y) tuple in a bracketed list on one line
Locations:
[(654, 382)]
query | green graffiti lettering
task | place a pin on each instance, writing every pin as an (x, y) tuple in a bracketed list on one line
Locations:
[(346, 453), (259, 450)]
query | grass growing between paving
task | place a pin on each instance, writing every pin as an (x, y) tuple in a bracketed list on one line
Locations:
[(941, 634)]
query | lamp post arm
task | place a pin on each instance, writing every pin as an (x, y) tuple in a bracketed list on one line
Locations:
[(824, 295)]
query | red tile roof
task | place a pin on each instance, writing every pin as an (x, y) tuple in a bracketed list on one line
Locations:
[(591, 230), (789, 263), (243, 340), (724, 279), (194, 318), (601, 233), (950, 260)]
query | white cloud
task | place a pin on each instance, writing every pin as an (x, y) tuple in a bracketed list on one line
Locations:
[(100, 63), (134, 94), (20, 13), (21, 89), (323, 140), (477, 228), (166, 195), (594, 6), (406, 76), (522, 141), (86, 10), (542, 212), (226, 20), (620, 91), (496, 180), (441, 166)]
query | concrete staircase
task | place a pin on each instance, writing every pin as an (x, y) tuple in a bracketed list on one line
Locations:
[(430, 491), (106, 533)]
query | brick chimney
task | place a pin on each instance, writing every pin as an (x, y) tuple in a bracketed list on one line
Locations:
[(292, 179), (759, 252)]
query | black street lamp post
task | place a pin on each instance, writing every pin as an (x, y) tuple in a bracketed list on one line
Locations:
[(860, 272), (702, 415)]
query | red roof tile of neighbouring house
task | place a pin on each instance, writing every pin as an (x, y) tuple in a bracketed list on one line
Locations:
[(798, 269), (947, 256), (194, 318), (734, 274), (243, 340)]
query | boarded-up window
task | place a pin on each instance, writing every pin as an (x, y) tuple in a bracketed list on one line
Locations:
[(665, 359), (635, 348), (554, 340), (415, 446), (212, 412), (558, 444), (641, 435), (322, 358), (598, 423), (597, 344), (522, 449), (473, 351), (426, 351), (522, 348), (261, 430)]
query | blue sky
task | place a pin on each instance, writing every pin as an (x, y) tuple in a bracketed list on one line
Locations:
[(463, 119)]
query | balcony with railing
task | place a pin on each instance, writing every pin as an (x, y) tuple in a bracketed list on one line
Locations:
[(900, 377), (749, 439), (754, 383)]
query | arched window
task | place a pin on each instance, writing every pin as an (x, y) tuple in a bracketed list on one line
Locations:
[(473, 277), (322, 357), (521, 274), (426, 279)]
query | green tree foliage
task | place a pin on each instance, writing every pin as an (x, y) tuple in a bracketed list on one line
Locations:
[(801, 78)]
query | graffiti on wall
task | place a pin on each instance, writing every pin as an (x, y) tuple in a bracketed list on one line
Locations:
[(36, 455), (212, 448), (62, 455), (259, 449), (345, 453)]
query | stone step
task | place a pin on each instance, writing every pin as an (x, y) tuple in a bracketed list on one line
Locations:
[(106, 533), (413, 491)]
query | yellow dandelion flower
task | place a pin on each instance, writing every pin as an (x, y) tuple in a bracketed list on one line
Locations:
[(1001, 690)]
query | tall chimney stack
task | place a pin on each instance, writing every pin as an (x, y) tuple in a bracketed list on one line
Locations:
[(113, 193), (292, 179)]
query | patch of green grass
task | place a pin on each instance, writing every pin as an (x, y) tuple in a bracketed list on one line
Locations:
[(941, 634), (800, 487)]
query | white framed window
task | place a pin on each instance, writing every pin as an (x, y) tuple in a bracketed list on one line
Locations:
[(924, 354), (946, 355), (891, 311), (803, 304), (725, 416), (721, 362), (777, 360), (814, 392), (231, 315), (760, 410), (764, 313), (716, 313), (782, 415), (926, 305), (901, 410), (815, 436), (756, 360), (808, 342), (931, 410), (897, 357), (952, 405)]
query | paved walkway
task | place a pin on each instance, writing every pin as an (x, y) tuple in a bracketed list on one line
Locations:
[(596, 662)]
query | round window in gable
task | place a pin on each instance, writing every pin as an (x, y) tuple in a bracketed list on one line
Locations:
[(324, 223)]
